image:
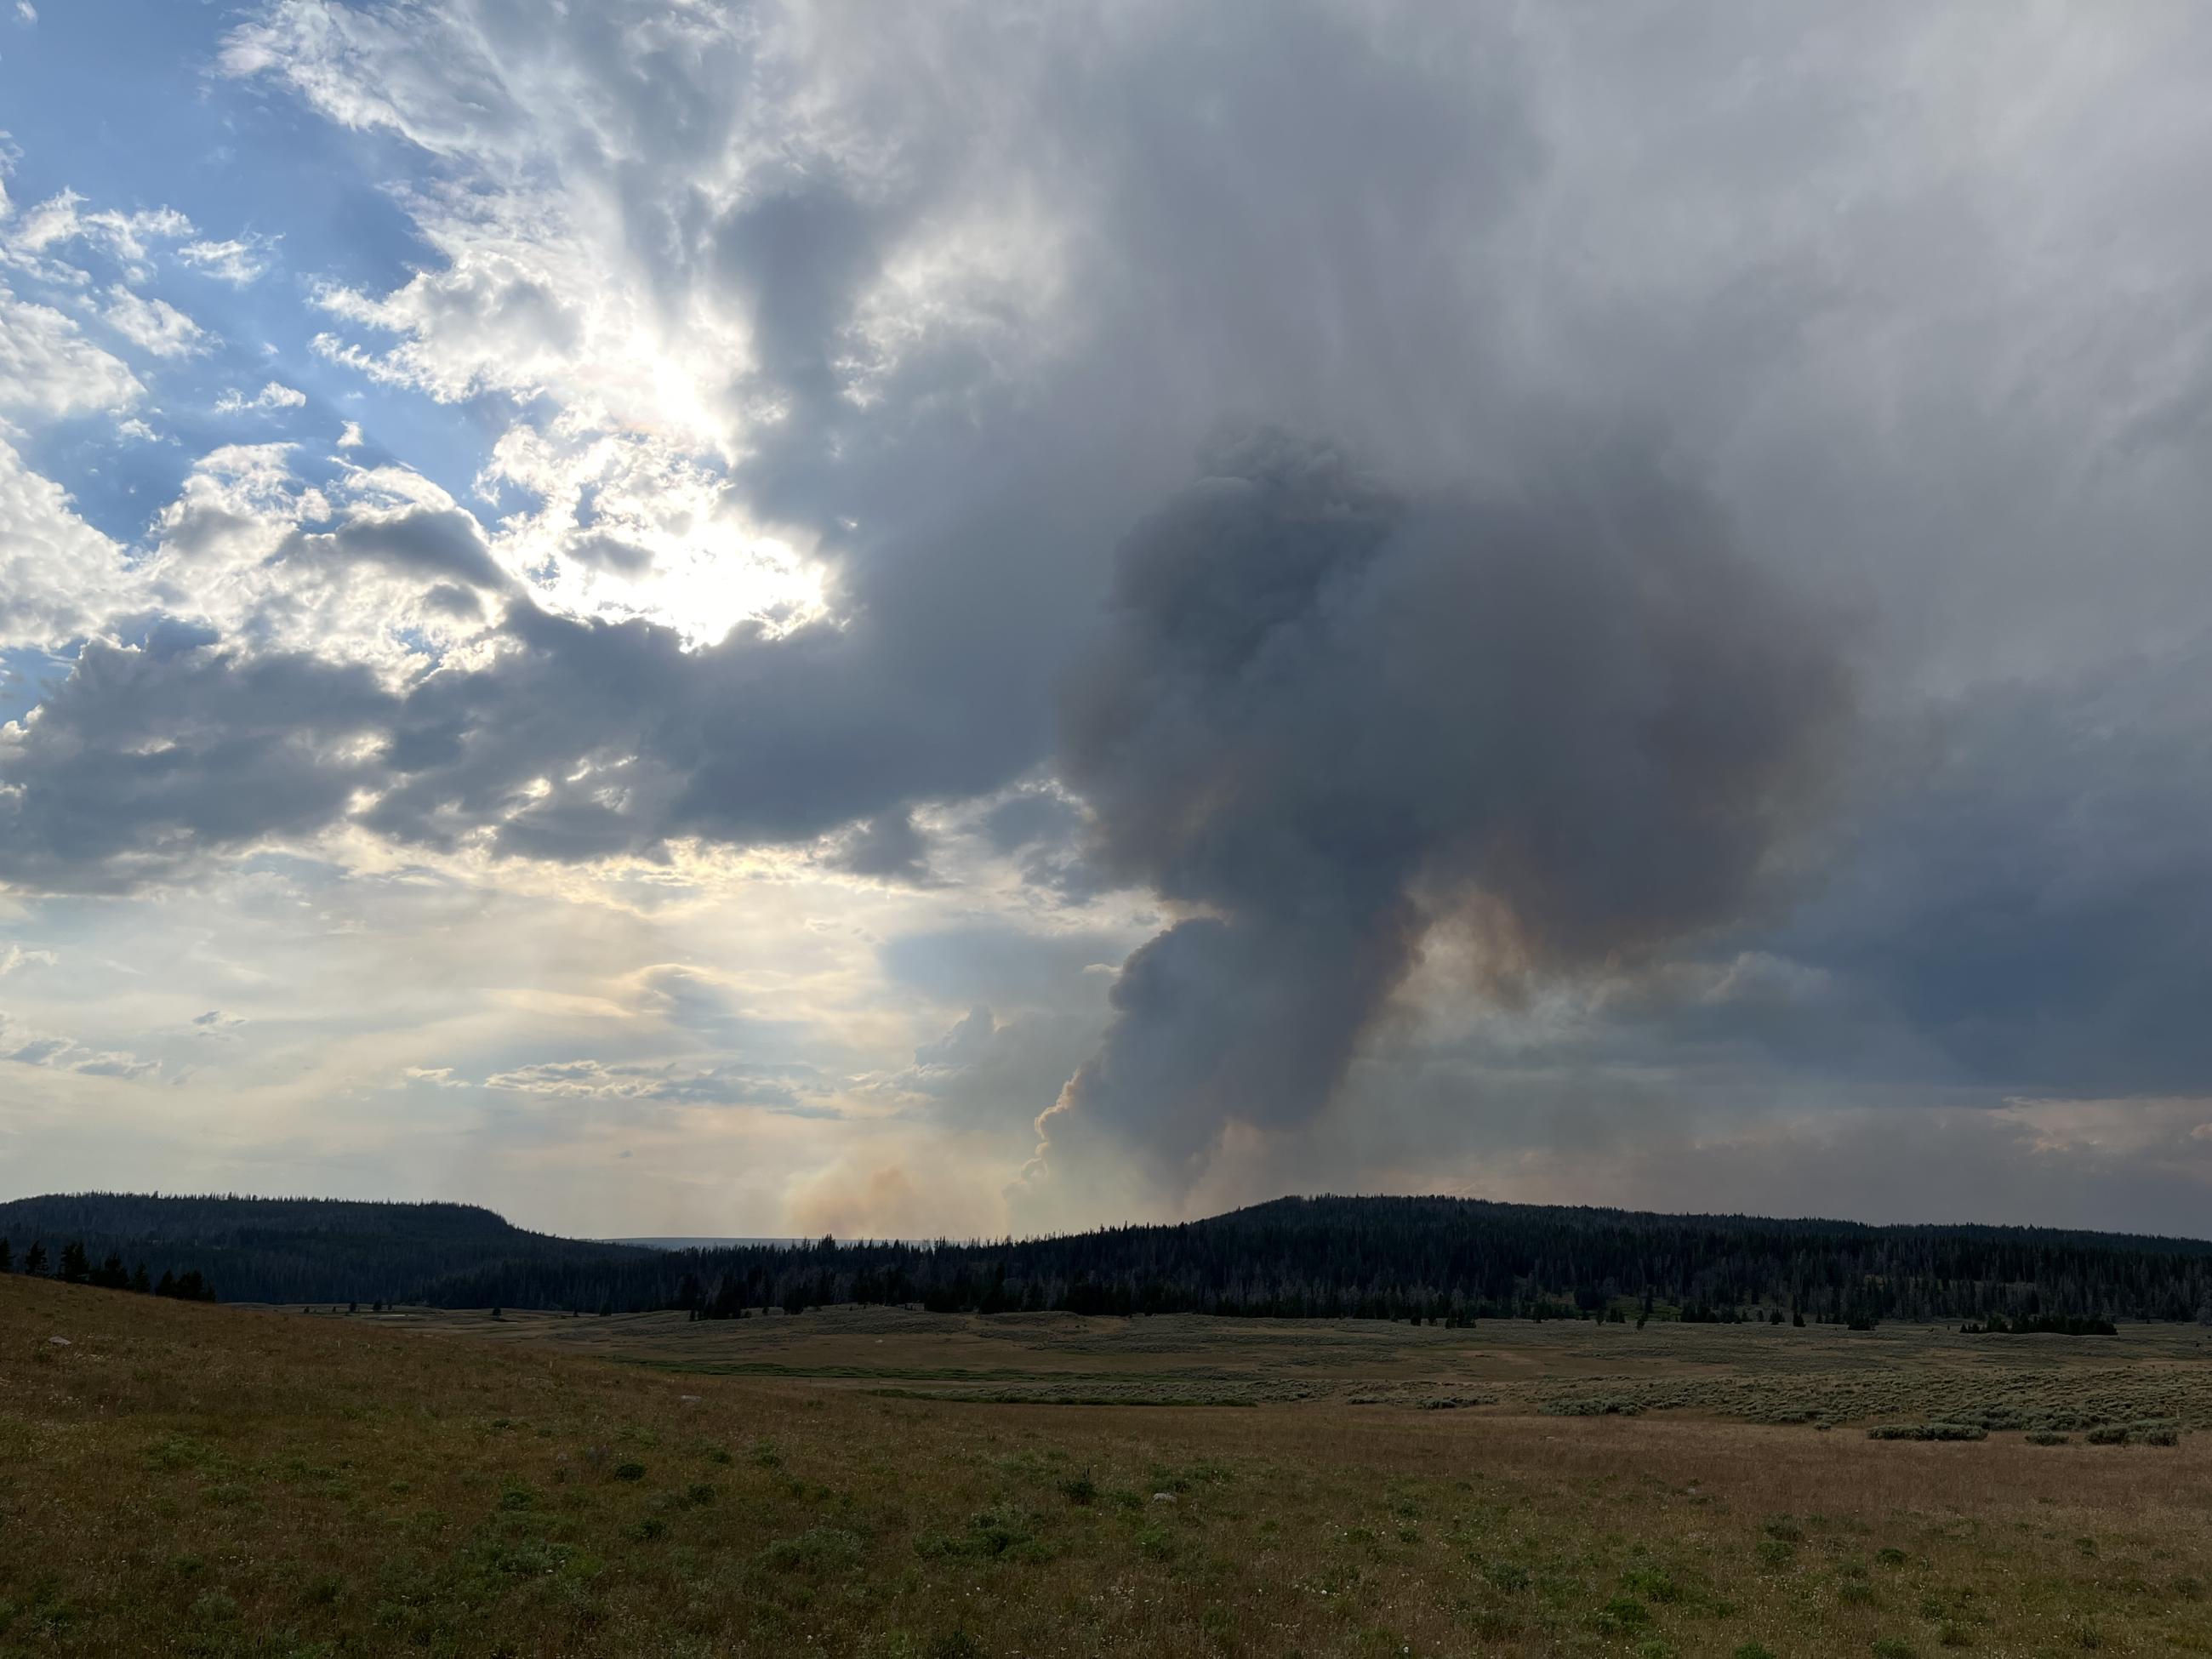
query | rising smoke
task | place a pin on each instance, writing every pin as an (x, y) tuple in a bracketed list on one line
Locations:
[(1328, 715)]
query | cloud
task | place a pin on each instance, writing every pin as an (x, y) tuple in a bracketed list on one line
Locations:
[(59, 578), (61, 1054), (239, 262), (784, 1090), (63, 220), (2027, 886), (153, 325), (146, 757), (47, 368), (273, 396), (781, 444), (890, 848)]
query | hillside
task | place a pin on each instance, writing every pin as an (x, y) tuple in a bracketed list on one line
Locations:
[(302, 1249), (1445, 1259), (1436, 1258), (1449, 1258)]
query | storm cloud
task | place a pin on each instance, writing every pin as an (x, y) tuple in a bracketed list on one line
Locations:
[(1726, 643)]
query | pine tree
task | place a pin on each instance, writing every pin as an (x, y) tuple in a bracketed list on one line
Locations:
[(140, 1282), (7, 1258), (35, 1260), (75, 1269)]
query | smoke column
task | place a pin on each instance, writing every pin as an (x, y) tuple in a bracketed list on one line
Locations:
[(1327, 714)]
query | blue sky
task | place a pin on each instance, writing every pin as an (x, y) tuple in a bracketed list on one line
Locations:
[(704, 618)]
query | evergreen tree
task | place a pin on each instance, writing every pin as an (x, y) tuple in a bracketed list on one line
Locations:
[(7, 1257), (140, 1282), (75, 1268)]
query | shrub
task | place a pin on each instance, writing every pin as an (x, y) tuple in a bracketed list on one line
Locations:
[(1927, 1432), (630, 1471), (1623, 1613), (817, 1550), (1888, 1647)]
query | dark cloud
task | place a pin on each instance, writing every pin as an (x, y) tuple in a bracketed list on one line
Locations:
[(1030, 817), (2029, 887), (144, 760), (1328, 714), (447, 545), (887, 846)]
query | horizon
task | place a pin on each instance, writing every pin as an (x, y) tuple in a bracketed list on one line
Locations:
[(969, 625), (676, 1243)]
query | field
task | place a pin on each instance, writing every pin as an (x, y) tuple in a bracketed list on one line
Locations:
[(222, 1480)]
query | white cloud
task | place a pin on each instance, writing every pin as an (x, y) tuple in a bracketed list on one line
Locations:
[(26, 13), (239, 262), (783, 1089), (253, 551), (350, 435), (59, 578), (48, 367), (273, 396), (155, 326), (62, 219)]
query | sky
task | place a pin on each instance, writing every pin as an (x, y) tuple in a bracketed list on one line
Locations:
[(714, 619)]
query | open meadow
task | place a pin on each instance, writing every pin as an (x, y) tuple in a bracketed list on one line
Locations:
[(220, 1480)]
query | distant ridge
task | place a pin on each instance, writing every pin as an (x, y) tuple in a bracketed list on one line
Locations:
[(1328, 1256), (304, 1250)]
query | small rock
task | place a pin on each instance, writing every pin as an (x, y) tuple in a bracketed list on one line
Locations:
[(59, 1341), (688, 1398), (1163, 1497)]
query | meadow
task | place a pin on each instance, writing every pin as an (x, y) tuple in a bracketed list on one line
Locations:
[(219, 1481)]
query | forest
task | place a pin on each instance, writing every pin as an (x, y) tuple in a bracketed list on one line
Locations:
[(1449, 1260)]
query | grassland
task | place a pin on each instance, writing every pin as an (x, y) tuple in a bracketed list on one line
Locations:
[(219, 1481)]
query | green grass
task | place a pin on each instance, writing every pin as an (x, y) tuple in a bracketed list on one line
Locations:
[(217, 1481)]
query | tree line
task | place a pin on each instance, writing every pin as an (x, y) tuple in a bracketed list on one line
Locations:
[(1446, 1259), (302, 1249), (77, 1267), (1442, 1258)]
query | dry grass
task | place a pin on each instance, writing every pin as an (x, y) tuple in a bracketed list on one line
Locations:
[(214, 1481)]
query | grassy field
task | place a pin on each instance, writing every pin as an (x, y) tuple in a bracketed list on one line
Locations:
[(220, 1480)]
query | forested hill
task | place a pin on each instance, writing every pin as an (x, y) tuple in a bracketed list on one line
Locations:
[(1442, 1258), (1447, 1258), (310, 1249)]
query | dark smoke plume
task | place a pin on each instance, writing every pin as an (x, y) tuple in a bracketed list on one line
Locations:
[(1328, 715)]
